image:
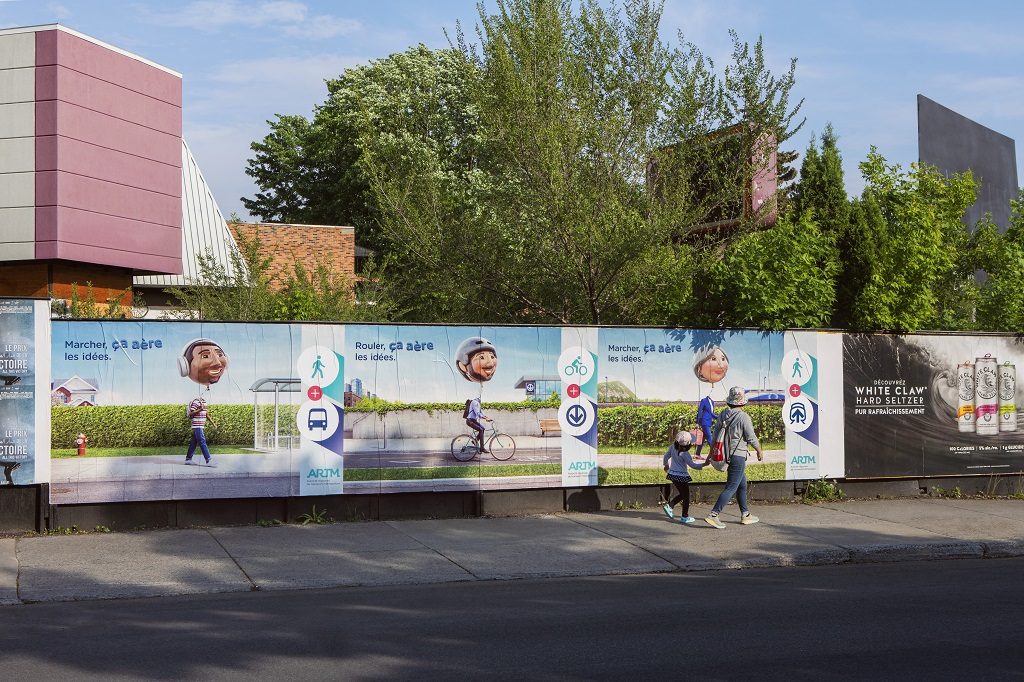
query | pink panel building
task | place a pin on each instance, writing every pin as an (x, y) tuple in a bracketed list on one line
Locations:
[(90, 162)]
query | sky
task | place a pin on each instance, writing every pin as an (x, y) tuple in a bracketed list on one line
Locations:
[(860, 64)]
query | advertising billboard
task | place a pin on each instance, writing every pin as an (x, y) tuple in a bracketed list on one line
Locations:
[(24, 371), (932, 405), (155, 410)]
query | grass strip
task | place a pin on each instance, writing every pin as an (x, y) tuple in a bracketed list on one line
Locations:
[(773, 471), (71, 453), (462, 471), (660, 449)]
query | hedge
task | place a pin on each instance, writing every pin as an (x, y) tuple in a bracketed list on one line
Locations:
[(126, 426), (639, 425)]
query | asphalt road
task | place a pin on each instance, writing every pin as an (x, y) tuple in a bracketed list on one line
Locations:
[(917, 620)]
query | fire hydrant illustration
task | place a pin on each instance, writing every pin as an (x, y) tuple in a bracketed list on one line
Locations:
[(80, 442)]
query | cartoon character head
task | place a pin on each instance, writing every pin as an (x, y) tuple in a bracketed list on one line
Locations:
[(476, 359), (711, 364), (203, 361)]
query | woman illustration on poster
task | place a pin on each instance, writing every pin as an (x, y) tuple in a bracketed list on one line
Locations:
[(710, 365)]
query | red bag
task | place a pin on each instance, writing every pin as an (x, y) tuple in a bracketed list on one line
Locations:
[(717, 456)]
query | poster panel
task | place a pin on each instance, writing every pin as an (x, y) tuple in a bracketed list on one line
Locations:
[(578, 372), (932, 405), (412, 391), (320, 418), (654, 382), (129, 387), (24, 371)]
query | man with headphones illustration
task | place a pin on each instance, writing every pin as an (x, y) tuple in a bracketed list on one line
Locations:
[(203, 361)]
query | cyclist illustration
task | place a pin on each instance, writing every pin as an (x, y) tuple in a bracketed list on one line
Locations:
[(476, 359), (465, 447), (474, 413), (576, 367)]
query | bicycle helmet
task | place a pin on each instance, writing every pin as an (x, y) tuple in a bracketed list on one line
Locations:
[(466, 350)]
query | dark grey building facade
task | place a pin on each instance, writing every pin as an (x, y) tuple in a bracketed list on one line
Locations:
[(954, 143)]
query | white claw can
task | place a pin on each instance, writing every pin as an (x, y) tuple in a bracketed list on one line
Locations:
[(986, 396), (1007, 397), (965, 393)]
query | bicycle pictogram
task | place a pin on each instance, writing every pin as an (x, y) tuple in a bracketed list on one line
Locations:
[(576, 367)]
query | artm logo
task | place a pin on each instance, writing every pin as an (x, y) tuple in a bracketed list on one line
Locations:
[(803, 459), (581, 466), (324, 473)]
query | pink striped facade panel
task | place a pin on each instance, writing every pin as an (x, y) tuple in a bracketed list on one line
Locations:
[(58, 188), (76, 226), (59, 47), (54, 117), (81, 158), (107, 156), (67, 85), (87, 253)]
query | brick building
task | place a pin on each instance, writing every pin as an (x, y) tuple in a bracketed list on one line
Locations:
[(333, 247)]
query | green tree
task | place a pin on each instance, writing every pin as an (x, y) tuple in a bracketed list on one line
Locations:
[(857, 247), (1001, 296), (920, 277), (312, 171), (822, 186), (281, 169), (778, 278), (581, 186)]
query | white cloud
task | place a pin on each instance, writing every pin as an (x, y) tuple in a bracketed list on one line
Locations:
[(291, 18), (323, 27), (210, 15), (271, 73)]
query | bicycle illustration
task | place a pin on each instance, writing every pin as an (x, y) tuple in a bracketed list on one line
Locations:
[(501, 446), (577, 367)]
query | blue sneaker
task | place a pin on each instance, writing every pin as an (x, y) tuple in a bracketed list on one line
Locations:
[(687, 520), (668, 510)]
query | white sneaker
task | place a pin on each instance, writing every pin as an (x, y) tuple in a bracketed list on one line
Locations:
[(713, 521), (748, 519)]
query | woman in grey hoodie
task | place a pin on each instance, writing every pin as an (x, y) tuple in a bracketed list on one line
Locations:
[(736, 431)]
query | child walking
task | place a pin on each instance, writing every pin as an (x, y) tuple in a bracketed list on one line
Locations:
[(677, 462)]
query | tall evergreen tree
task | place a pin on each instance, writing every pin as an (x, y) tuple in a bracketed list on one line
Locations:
[(917, 279)]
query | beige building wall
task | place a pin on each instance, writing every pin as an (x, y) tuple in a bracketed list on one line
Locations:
[(17, 146)]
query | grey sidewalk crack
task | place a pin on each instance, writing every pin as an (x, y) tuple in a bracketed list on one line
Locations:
[(17, 578), (253, 586), (438, 552)]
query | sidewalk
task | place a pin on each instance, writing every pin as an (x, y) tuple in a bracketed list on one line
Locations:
[(194, 561)]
